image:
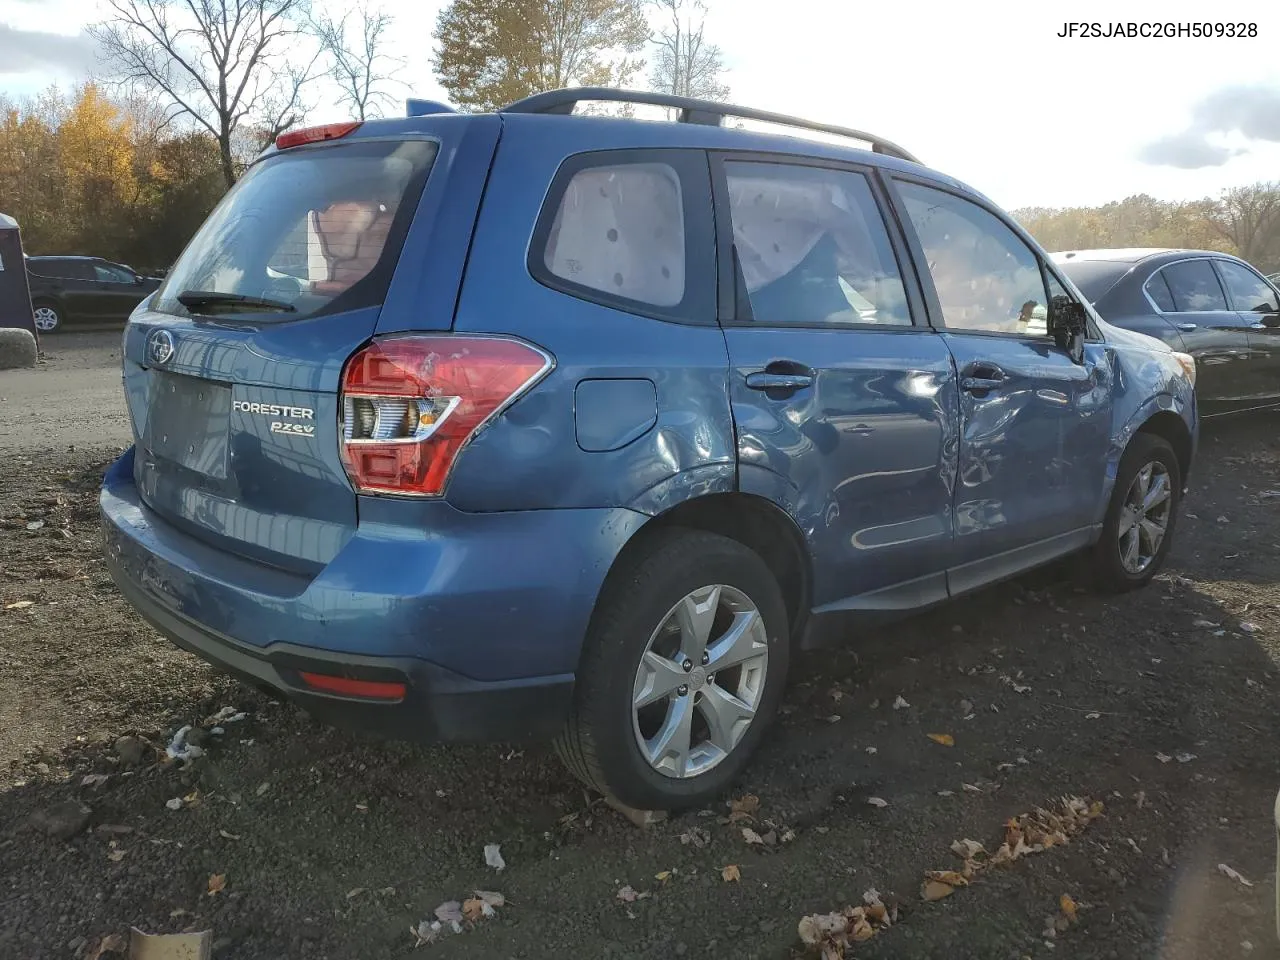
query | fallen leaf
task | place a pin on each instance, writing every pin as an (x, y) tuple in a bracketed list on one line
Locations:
[(1248, 627), (877, 802), (1185, 757), (662, 876), (900, 703), (492, 898), (629, 895), (970, 788), (228, 836), (35, 524), (1093, 715), (1163, 757), (949, 877), (943, 738), (474, 909), (751, 836), (115, 856), (1068, 907), (1233, 874), (833, 718), (113, 943), (936, 890), (493, 856), (968, 849), (946, 793), (731, 873), (746, 805), (217, 882), (19, 604), (353, 893), (95, 779)]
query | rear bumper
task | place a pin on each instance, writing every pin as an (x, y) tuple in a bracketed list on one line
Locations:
[(481, 616)]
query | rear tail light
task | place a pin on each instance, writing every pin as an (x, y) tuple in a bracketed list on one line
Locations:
[(409, 404)]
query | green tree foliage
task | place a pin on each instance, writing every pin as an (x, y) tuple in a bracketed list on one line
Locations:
[(492, 52), (1243, 220), (90, 175)]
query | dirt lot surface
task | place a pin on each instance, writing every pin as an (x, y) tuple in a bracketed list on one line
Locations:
[(1161, 704)]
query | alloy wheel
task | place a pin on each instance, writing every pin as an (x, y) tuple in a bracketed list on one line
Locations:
[(700, 681), (1144, 517), (46, 319)]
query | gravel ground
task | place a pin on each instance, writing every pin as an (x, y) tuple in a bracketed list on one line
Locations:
[(1160, 704)]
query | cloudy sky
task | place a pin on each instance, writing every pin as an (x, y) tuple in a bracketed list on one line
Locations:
[(987, 92)]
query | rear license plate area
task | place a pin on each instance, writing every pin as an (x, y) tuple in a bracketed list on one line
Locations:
[(187, 423)]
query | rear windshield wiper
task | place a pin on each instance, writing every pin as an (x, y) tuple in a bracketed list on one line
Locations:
[(211, 301)]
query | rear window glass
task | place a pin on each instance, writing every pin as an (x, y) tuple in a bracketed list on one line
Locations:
[(619, 229), (1195, 287), (1093, 277), (317, 230)]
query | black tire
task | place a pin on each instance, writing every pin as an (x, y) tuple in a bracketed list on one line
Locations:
[(1108, 571), (51, 310), (599, 745)]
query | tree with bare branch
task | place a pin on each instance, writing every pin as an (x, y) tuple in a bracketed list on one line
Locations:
[(1249, 218), (223, 63), (685, 64), (360, 65)]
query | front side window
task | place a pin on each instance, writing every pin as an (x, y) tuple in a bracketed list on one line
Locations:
[(306, 231), (619, 230), (986, 277), (1248, 292), (1194, 287), (812, 247)]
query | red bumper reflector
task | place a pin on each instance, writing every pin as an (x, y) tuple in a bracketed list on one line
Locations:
[(346, 687)]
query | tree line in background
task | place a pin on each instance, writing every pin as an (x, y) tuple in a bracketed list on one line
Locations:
[(128, 168)]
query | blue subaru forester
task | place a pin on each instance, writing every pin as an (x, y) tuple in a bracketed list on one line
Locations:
[(537, 424)]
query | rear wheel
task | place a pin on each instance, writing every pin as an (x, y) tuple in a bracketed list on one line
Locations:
[(47, 316), (684, 666), (1138, 530)]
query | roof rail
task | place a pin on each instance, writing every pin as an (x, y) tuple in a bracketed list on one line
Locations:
[(692, 110)]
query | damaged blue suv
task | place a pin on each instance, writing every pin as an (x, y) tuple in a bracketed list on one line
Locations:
[(536, 424)]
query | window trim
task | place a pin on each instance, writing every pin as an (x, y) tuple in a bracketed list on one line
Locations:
[(698, 306), (925, 277), (1227, 308), (1244, 265), (729, 313)]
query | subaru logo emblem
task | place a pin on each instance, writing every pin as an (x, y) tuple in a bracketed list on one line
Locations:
[(160, 346)]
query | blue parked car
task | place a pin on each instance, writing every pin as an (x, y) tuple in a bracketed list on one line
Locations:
[(543, 425)]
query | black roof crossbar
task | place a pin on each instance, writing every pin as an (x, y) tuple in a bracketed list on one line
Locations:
[(692, 110)]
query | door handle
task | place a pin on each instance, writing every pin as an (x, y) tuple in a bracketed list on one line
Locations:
[(980, 377), (1257, 326), (779, 381), (1186, 327)]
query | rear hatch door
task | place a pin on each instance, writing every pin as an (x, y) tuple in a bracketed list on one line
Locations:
[(232, 368)]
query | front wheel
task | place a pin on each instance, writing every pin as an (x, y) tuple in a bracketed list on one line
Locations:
[(684, 665), (47, 316), (1138, 530)]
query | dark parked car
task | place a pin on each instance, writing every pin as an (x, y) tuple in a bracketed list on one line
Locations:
[(85, 289), (1211, 305), (538, 425)]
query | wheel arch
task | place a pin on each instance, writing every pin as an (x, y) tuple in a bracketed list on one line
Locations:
[(753, 521)]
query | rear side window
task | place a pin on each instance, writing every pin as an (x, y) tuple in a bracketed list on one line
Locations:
[(1094, 278), (630, 229), (112, 274), (315, 229), (1194, 287), (812, 247), (1158, 290)]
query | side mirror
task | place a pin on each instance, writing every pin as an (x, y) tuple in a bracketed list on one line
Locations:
[(1068, 325), (139, 281)]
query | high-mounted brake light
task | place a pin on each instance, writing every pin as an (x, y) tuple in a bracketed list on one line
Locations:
[(328, 131), (410, 404)]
